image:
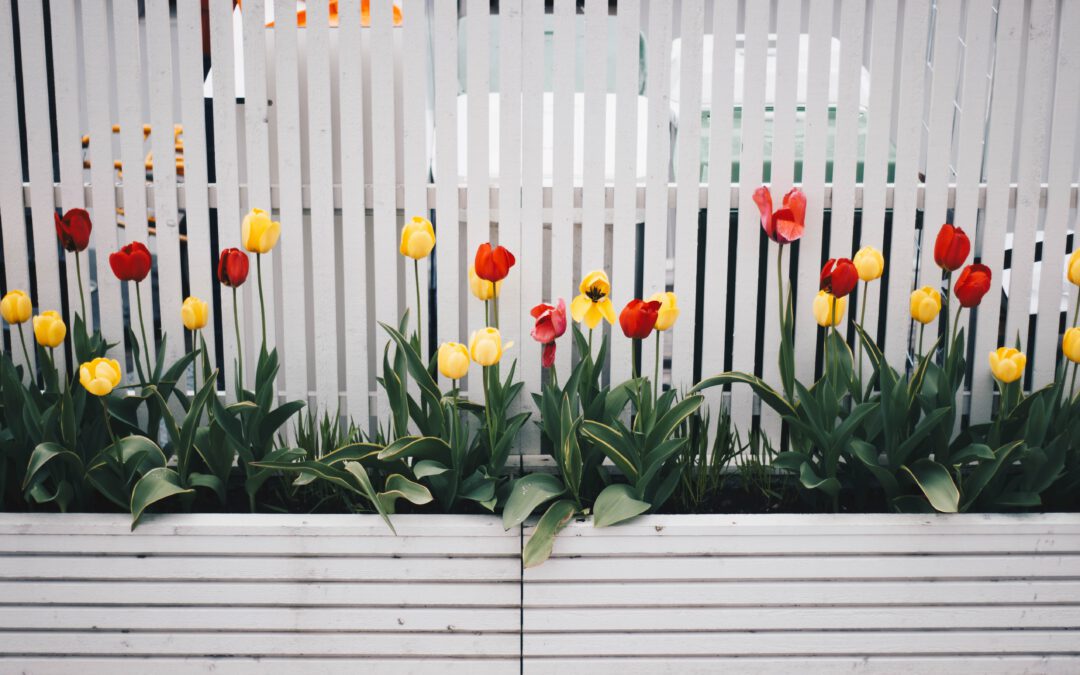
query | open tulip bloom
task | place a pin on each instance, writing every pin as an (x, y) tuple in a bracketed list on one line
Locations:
[(550, 324)]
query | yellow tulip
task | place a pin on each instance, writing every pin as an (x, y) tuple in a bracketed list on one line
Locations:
[(258, 233), (669, 310), (49, 329), (593, 304), (16, 307), (925, 304), (486, 346), (453, 360), (100, 376), (1074, 267), (417, 238), (1070, 345), (824, 309), (481, 288), (869, 262), (194, 313), (1007, 364)]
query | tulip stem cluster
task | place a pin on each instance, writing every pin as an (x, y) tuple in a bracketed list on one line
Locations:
[(142, 329), (105, 414), (82, 296)]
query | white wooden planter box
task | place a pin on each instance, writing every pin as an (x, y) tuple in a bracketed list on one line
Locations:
[(809, 594)]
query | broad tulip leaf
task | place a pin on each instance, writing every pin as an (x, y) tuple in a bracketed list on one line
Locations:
[(526, 494), (970, 452), (868, 455), (811, 481), (616, 503), (613, 445), (46, 453), (936, 483), (423, 447), (156, 485), (538, 548), (399, 487), (769, 396), (981, 475), (353, 452), (429, 467)]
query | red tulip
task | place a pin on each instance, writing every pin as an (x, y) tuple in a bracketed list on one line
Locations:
[(493, 264), (638, 318), (131, 263), (972, 285), (839, 277), (787, 224), (74, 229), (951, 248), (232, 267), (550, 324)]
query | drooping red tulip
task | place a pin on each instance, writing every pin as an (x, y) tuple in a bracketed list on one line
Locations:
[(839, 277), (638, 318), (74, 229), (232, 269), (550, 324), (131, 263), (951, 248), (972, 285), (785, 225), (493, 264)]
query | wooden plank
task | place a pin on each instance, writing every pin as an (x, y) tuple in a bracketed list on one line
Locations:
[(259, 665), (478, 177), (1061, 173), (990, 244), (846, 143), (562, 181), (450, 282), (593, 219), (415, 161), (353, 214), (201, 260), (658, 157), (166, 215), (624, 228), (981, 665), (688, 175)]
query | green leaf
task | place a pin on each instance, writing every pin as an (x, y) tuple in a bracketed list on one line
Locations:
[(811, 481), (868, 455), (667, 423), (616, 503), (158, 484), (429, 467), (981, 475), (613, 445), (400, 487), (208, 481), (769, 396), (936, 483), (526, 494), (357, 470), (423, 447), (44, 454), (538, 548), (970, 452)]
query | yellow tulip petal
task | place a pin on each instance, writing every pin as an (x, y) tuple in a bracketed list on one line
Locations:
[(607, 309), (579, 306)]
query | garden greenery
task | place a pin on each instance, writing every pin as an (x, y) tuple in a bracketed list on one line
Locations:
[(865, 435)]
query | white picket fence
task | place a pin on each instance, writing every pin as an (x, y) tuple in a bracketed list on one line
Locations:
[(573, 133)]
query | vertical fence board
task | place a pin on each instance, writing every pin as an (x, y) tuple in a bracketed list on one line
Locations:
[(688, 174), (845, 152), (478, 207), (415, 165), (593, 220), (654, 257), (562, 180)]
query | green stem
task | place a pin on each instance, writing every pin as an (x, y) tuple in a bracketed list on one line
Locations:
[(945, 314), (495, 303), (194, 362), (635, 349), (239, 345), (487, 312), (142, 329), (590, 342), (26, 355), (108, 425), (1072, 385), (656, 369), (262, 304), (956, 324), (922, 330), (862, 325), (419, 319), (82, 296), (780, 284)]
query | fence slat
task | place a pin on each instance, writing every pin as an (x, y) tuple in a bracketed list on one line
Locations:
[(167, 219), (415, 164), (846, 145), (593, 220), (353, 216), (562, 180), (1062, 169), (654, 269), (688, 175), (478, 180)]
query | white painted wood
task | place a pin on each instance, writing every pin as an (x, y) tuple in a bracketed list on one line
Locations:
[(287, 117), (1061, 172), (451, 279), (261, 665), (781, 665), (478, 212), (593, 220), (845, 149), (415, 164), (657, 211), (561, 265), (686, 211)]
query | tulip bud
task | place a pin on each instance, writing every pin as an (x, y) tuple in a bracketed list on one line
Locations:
[(1007, 364), (483, 289), (16, 307), (638, 318), (49, 329), (828, 310), (1074, 267), (1070, 345), (669, 310), (972, 285), (417, 238), (486, 346), (839, 277), (493, 264), (925, 304), (232, 269), (73, 230), (194, 313), (258, 232), (100, 376), (951, 248), (870, 263), (453, 360), (131, 262)]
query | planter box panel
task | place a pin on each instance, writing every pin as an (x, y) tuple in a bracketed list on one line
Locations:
[(259, 666), (883, 665)]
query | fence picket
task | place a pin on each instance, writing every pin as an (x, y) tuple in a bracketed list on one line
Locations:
[(561, 266), (593, 220), (478, 211), (415, 164)]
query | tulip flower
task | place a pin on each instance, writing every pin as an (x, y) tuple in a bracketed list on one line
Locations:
[(417, 238), (132, 263), (100, 376), (453, 360), (1074, 267), (1007, 364), (972, 285), (232, 271), (669, 310), (870, 263), (486, 346), (550, 324), (925, 304), (638, 318), (593, 302), (493, 264), (194, 313), (258, 233), (828, 309), (1070, 344), (839, 277), (16, 309), (785, 225), (951, 248), (483, 290), (49, 329), (73, 230)]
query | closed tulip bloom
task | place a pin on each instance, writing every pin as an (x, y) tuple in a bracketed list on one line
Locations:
[(972, 285), (669, 310), (74, 229), (493, 264), (49, 329), (100, 376), (839, 277), (194, 313), (1074, 267), (16, 307), (131, 263), (453, 360), (417, 238), (1007, 364), (925, 304), (1070, 344), (483, 290), (258, 232), (785, 225), (951, 248), (593, 302), (550, 324), (638, 318), (486, 346), (232, 269), (869, 262), (825, 313)]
